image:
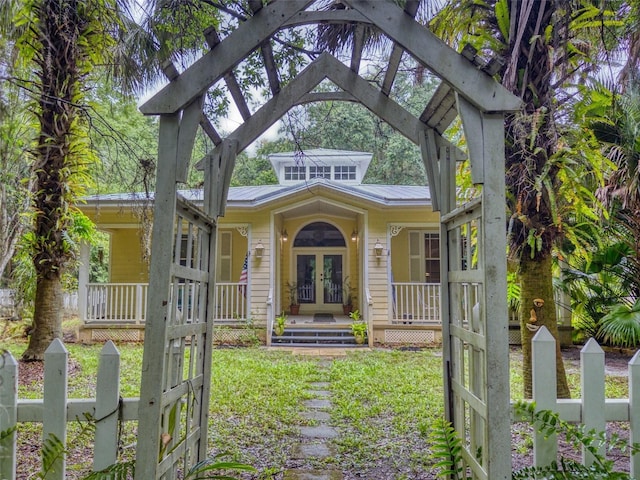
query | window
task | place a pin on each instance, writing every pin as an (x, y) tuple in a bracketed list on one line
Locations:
[(344, 172), (432, 257), (295, 173), (319, 172), (224, 258), (424, 257)]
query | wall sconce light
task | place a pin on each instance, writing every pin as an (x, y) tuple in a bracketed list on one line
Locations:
[(259, 249), (377, 249), (285, 236), (354, 236)]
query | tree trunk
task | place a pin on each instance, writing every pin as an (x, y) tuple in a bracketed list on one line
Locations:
[(47, 317), (537, 309)]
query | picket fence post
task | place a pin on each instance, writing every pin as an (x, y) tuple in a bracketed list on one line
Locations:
[(8, 414), (593, 399), (543, 375), (634, 412), (107, 407), (54, 418)]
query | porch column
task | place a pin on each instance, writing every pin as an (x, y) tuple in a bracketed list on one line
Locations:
[(83, 279)]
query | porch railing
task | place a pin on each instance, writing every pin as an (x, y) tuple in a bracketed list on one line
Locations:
[(415, 303), (231, 302), (116, 302), (127, 302)]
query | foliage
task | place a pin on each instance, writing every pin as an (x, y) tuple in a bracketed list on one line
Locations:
[(358, 327), (446, 448), (24, 274), (292, 292), (281, 320), (347, 292), (549, 423), (350, 126)]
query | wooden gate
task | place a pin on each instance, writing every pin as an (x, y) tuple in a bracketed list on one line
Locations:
[(474, 310), (173, 418)]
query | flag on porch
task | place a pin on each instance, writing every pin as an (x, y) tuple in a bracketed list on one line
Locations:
[(242, 288)]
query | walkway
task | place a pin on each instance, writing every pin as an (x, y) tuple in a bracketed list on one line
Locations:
[(315, 444)]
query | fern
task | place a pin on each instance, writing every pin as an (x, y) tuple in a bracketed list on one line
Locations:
[(53, 451), (117, 471), (547, 423), (207, 469), (447, 449)]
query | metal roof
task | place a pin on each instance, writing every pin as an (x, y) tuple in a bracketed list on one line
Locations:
[(252, 196)]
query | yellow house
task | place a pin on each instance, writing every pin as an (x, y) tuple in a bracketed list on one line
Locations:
[(320, 236)]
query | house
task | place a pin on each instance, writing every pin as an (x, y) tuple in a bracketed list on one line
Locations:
[(319, 235)]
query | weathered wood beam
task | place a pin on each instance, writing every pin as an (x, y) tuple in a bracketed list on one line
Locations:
[(278, 105), (210, 130), (191, 118), (213, 39), (358, 46), (206, 71), (411, 9), (267, 54), (298, 91), (326, 17), (473, 133), (171, 72), (429, 152), (228, 154), (476, 86), (326, 97), (384, 107)]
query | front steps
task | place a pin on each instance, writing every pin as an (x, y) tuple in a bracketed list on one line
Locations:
[(313, 337)]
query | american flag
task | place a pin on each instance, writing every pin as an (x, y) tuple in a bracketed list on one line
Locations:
[(243, 276)]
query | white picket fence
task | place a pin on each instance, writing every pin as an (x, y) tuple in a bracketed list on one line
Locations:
[(593, 409), (54, 410), (108, 408)]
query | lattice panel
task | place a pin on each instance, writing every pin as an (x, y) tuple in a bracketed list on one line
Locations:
[(409, 336), (467, 330), (116, 335), (514, 337), (186, 340)]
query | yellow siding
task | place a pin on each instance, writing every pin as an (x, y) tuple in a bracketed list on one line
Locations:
[(127, 265)]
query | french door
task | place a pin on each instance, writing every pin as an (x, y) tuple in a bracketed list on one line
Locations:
[(319, 277)]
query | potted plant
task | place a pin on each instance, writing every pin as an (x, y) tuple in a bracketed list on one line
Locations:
[(294, 306), (358, 327), (347, 297), (279, 324)]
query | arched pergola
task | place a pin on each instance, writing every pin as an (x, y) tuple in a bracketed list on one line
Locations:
[(173, 413)]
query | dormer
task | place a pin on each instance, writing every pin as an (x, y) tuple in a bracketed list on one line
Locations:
[(340, 166)]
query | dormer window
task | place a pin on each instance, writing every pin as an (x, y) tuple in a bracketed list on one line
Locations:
[(295, 173), (342, 166), (319, 172), (344, 172)]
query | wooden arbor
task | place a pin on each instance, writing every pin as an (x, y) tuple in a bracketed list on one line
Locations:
[(173, 414)]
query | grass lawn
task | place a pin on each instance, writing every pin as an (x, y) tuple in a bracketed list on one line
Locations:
[(384, 402)]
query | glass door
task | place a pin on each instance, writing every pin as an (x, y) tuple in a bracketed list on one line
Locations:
[(319, 278)]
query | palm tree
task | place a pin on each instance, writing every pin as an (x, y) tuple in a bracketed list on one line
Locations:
[(546, 45)]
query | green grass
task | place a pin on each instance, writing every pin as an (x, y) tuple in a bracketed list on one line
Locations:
[(384, 403)]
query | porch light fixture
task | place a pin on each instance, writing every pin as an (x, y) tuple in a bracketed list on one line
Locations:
[(259, 249), (377, 249), (354, 236), (285, 236)]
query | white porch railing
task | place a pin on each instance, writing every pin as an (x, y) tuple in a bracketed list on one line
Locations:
[(116, 302), (416, 303), (230, 302), (127, 302)]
